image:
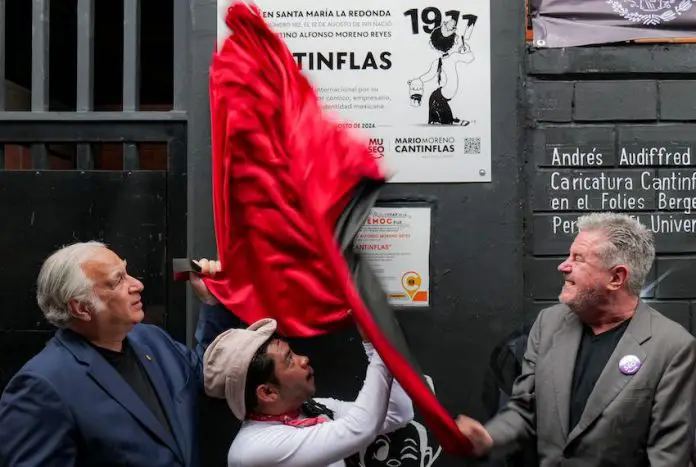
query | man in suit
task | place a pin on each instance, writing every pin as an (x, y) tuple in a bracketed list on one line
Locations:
[(106, 390), (606, 380)]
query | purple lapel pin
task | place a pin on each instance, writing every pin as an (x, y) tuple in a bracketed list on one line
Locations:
[(629, 365)]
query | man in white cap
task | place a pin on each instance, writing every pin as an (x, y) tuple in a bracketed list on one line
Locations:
[(270, 389)]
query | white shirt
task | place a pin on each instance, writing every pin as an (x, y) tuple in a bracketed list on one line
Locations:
[(381, 407)]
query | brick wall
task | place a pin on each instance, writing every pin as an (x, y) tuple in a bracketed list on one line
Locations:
[(613, 128)]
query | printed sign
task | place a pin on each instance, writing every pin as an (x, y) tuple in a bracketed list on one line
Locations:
[(648, 172), (412, 77), (396, 243)]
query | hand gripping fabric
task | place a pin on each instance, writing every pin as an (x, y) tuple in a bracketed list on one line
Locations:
[(291, 190)]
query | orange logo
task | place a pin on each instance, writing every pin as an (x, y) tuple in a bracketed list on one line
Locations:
[(411, 282)]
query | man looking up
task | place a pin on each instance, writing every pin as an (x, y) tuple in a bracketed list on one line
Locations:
[(270, 389), (106, 390), (606, 379)]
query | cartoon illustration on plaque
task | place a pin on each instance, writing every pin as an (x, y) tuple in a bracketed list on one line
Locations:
[(453, 50), (406, 447)]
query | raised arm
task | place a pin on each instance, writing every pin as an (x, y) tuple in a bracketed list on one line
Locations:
[(328, 442), (213, 319), (400, 411), (400, 407)]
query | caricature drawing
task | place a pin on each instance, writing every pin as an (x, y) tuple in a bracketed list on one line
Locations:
[(406, 447), (453, 49)]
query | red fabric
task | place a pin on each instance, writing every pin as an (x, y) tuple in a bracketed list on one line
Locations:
[(282, 175)]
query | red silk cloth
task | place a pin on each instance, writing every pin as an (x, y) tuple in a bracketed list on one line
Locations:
[(283, 173)]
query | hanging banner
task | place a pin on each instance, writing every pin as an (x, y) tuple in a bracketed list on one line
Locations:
[(412, 77), (569, 23), (396, 243)]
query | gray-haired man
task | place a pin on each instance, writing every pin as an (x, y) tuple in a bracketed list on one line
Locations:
[(606, 380), (106, 390)]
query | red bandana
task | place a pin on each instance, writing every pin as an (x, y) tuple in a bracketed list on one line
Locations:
[(290, 419)]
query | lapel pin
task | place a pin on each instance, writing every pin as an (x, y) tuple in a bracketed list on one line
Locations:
[(629, 365), (148, 357)]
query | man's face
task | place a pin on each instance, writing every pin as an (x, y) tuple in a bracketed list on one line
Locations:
[(448, 28), (586, 278), (295, 376), (118, 292)]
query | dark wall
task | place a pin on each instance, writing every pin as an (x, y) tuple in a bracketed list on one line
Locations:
[(476, 251), (125, 210), (200, 233), (635, 105)]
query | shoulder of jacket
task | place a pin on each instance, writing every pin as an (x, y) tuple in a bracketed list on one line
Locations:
[(554, 314), (148, 332), (49, 362), (668, 330)]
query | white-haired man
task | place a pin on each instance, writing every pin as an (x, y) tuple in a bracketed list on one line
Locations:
[(606, 379), (106, 390)]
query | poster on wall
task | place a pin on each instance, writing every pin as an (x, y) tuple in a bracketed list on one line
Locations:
[(409, 446), (570, 23), (411, 77), (396, 243)]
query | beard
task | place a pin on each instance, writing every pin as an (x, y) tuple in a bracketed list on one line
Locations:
[(585, 300)]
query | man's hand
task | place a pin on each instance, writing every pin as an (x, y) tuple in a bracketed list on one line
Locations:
[(362, 333), (208, 268), (477, 434), (360, 330)]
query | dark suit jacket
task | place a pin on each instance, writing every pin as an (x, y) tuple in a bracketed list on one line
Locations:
[(69, 407), (645, 419)]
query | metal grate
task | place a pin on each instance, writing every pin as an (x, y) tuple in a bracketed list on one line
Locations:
[(86, 136), (58, 128), (40, 71), (85, 73), (82, 155), (131, 72)]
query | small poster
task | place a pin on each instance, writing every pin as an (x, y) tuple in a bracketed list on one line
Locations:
[(396, 243), (411, 77)]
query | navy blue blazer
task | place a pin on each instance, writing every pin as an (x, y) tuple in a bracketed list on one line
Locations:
[(69, 407)]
